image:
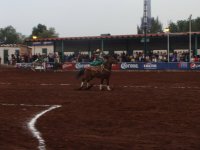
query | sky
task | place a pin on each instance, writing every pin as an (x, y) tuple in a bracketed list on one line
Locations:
[(72, 18)]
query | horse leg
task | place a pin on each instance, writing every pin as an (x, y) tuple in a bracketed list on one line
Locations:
[(82, 84), (108, 86), (88, 84), (101, 85)]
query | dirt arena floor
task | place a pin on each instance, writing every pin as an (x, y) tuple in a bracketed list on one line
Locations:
[(144, 111)]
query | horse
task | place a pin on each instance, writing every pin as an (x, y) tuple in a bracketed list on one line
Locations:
[(102, 72)]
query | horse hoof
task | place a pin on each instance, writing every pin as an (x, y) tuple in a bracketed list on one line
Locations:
[(108, 88), (89, 87)]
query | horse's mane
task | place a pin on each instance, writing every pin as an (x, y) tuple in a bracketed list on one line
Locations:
[(108, 63)]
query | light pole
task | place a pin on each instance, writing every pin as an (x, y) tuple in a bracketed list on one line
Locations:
[(145, 25), (166, 30), (190, 37)]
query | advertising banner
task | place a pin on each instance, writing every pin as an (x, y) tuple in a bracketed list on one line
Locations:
[(130, 66), (150, 66), (79, 65), (159, 66), (125, 66), (115, 66), (23, 65), (48, 66), (68, 66)]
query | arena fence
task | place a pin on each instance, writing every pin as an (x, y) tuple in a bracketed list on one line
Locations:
[(140, 66), (69, 66)]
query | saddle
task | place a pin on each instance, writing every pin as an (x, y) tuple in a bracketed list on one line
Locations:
[(97, 69)]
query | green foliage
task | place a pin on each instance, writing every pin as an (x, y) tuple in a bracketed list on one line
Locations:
[(196, 24), (179, 26), (156, 27), (41, 31), (183, 25), (173, 27), (139, 30), (8, 35)]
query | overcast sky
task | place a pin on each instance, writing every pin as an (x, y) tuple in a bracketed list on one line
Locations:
[(90, 17)]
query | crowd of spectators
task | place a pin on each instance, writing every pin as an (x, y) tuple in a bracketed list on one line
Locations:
[(154, 57), (123, 57), (52, 58), (140, 57)]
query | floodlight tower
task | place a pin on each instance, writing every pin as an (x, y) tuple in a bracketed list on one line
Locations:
[(146, 21)]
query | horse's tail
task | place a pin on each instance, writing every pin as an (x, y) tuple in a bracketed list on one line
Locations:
[(80, 73)]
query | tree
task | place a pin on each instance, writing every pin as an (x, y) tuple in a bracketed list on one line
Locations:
[(41, 31), (8, 35), (196, 24), (139, 30), (173, 27), (156, 27), (183, 25)]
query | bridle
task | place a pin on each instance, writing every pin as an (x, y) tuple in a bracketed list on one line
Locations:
[(105, 69)]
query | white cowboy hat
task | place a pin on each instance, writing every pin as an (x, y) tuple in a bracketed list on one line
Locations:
[(98, 50)]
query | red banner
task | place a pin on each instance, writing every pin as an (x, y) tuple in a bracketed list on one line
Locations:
[(115, 66), (68, 66)]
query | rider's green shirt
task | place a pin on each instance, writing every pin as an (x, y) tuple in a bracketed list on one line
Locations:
[(97, 62)]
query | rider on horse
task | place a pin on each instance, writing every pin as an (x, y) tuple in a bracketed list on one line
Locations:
[(101, 71), (99, 58), (96, 65)]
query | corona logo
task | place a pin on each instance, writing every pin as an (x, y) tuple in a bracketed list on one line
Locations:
[(129, 66)]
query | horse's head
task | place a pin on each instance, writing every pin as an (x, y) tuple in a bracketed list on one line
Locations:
[(112, 60), (109, 60)]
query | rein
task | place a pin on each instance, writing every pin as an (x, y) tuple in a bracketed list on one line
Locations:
[(103, 68)]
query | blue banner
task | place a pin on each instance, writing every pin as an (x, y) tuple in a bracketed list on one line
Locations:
[(128, 66), (160, 66)]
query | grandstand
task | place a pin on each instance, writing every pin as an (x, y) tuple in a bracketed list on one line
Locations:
[(128, 43)]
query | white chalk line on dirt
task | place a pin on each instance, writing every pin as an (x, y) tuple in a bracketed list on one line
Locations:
[(31, 124), (35, 132)]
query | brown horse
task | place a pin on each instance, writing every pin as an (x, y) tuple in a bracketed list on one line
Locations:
[(102, 72)]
